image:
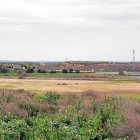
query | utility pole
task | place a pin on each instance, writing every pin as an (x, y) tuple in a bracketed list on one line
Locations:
[(134, 67), (66, 59)]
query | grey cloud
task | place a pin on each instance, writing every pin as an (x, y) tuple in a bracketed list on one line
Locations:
[(80, 2), (29, 12), (67, 24)]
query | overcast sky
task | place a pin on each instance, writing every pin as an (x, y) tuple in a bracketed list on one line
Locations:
[(72, 29)]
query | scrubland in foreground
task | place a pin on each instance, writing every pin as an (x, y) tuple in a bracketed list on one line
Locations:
[(53, 116)]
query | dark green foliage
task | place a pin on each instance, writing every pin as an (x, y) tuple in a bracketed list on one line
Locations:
[(70, 70), (4, 70), (13, 129), (77, 71), (41, 71), (50, 97), (64, 71), (24, 66), (30, 70), (53, 71)]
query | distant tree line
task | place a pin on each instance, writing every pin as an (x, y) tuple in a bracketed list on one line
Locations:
[(31, 69), (70, 71)]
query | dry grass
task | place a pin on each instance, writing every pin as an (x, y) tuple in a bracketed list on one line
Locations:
[(130, 109), (87, 107), (96, 76), (42, 86)]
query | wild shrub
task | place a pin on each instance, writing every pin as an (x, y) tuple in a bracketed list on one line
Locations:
[(64, 71), (30, 107), (50, 97), (30, 70), (131, 125), (13, 128), (53, 71), (55, 116), (71, 70), (41, 71), (77, 71), (4, 70)]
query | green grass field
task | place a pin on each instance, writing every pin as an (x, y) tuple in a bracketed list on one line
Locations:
[(57, 74), (13, 74)]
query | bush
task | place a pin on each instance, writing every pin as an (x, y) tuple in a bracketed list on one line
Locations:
[(30, 70), (64, 71), (70, 70), (51, 97), (53, 71), (77, 71), (131, 125), (4, 70), (41, 71), (24, 66)]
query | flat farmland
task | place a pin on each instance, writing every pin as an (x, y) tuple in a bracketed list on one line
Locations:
[(42, 86)]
